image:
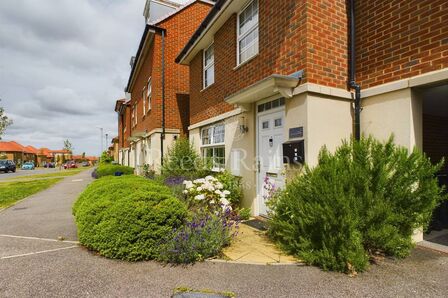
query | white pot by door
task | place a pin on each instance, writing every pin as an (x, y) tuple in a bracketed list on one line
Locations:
[(270, 155)]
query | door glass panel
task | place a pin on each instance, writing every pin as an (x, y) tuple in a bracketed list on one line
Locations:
[(278, 122), (265, 124)]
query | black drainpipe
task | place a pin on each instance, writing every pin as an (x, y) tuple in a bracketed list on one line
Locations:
[(352, 82), (162, 136)]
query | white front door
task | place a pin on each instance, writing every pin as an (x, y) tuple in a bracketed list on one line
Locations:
[(270, 156)]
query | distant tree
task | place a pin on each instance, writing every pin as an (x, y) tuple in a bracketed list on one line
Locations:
[(83, 156), (68, 146), (63, 158), (4, 121), (58, 159)]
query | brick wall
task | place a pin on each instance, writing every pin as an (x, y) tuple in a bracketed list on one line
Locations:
[(124, 121), (435, 137), (293, 35), (399, 39), (179, 29)]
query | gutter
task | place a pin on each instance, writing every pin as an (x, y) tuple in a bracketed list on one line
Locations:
[(352, 75)]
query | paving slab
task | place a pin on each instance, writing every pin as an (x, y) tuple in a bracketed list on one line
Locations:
[(253, 246)]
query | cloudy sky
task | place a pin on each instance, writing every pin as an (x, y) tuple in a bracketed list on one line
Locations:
[(63, 63)]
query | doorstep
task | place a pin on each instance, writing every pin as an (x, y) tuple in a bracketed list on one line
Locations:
[(252, 246)]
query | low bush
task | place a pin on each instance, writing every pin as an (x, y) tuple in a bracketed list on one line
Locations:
[(110, 170), (368, 197), (198, 239), (126, 217)]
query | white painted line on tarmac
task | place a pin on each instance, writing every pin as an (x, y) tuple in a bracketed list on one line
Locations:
[(41, 239), (38, 252)]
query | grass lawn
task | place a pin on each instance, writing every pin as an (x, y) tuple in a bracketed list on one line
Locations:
[(11, 192), (62, 173)]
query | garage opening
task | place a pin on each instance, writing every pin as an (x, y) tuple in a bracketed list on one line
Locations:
[(435, 145)]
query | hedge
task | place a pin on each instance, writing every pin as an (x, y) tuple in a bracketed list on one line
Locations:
[(110, 170), (126, 217)]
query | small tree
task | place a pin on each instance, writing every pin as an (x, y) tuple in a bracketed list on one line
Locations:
[(68, 146), (4, 121), (3, 156), (83, 156), (183, 160), (105, 158)]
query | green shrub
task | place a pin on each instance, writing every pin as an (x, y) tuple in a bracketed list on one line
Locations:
[(233, 185), (126, 217), (110, 170), (365, 198), (182, 160)]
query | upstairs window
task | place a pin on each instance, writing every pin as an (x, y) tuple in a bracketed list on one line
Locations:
[(248, 32), (149, 93), (209, 66), (134, 116), (144, 100)]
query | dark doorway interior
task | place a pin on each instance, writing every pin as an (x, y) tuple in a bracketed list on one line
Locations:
[(435, 145)]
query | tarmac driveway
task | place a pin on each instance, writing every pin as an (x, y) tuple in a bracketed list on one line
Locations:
[(34, 264)]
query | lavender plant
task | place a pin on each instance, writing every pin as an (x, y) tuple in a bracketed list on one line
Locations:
[(200, 238)]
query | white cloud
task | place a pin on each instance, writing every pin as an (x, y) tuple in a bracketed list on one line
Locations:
[(62, 66)]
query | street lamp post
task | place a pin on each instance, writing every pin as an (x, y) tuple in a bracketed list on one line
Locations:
[(101, 138)]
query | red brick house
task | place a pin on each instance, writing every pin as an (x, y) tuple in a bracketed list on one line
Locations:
[(271, 82), (158, 87)]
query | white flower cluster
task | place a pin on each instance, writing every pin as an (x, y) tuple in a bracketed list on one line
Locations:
[(208, 188)]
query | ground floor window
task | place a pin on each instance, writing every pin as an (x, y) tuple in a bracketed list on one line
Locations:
[(213, 148), (215, 156)]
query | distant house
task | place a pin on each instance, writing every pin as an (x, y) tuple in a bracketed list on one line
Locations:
[(18, 153), (60, 155), (44, 156)]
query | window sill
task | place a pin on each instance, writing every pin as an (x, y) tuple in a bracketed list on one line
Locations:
[(203, 89), (247, 61)]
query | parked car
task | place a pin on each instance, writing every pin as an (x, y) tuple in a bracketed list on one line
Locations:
[(85, 164), (70, 165), (50, 165), (7, 166), (28, 166)]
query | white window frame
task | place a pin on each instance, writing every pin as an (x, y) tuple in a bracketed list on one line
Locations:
[(149, 93), (134, 115), (144, 100), (207, 67), (250, 30), (214, 145)]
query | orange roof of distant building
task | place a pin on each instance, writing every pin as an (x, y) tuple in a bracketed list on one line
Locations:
[(44, 152), (31, 149), (11, 146), (60, 151)]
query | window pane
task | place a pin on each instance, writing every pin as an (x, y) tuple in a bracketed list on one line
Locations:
[(249, 46), (278, 122), (209, 76), (219, 157), (265, 124), (260, 108), (249, 17), (218, 134), (206, 136), (209, 56)]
